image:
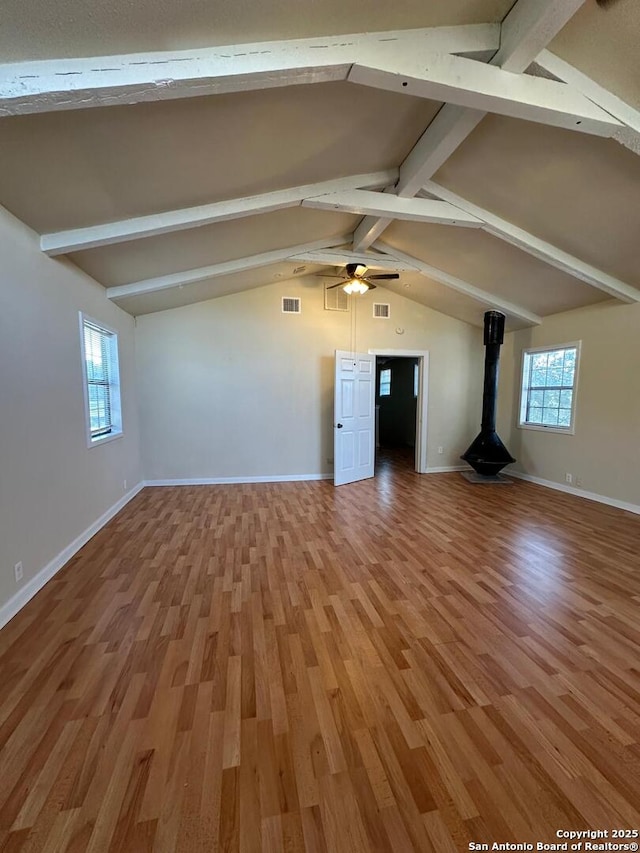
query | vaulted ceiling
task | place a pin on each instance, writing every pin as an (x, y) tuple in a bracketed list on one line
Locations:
[(488, 150)]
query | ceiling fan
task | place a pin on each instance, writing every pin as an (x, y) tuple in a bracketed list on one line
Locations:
[(355, 279), (606, 3)]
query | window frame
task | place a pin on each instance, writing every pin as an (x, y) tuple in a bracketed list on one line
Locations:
[(522, 424), (115, 402)]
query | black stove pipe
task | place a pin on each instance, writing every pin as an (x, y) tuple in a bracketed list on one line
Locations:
[(487, 454), (493, 339)]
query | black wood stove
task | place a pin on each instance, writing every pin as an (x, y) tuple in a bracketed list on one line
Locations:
[(487, 454)]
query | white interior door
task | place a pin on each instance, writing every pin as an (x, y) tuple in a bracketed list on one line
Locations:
[(353, 412)]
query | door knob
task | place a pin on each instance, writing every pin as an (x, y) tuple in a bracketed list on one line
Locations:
[(339, 426)]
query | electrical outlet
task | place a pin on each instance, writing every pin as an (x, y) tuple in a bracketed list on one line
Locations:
[(579, 482), (124, 485), (441, 450), (17, 570), (568, 478)]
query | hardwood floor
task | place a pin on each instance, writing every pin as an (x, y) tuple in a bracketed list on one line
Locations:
[(407, 663)]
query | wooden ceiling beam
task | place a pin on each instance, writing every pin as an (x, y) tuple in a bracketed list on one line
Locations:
[(381, 204), (181, 279), (111, 233), (490, 300), (629, 133), (468, 83), (528, 28), (550, 254), (63, 84), (340, 257)]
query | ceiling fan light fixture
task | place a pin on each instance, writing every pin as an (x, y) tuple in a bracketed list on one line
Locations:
[(354, 285)]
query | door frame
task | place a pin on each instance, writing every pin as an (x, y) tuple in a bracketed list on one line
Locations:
[(422, 407)]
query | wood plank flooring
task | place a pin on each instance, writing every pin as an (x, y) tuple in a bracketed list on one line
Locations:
[(408, 663)]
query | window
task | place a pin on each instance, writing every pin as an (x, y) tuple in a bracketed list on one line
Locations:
[(548, 388), (385, 382), (101, 381)]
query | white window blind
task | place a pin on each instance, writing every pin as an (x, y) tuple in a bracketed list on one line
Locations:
[(102, 381), (96, 349)]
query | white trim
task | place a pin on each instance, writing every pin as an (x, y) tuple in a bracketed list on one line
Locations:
[(26, 593), (422, 405), (542, 428), (222, 481), (446, 469), (579, 493), (153, 225), (76, 83), (104, 439), (400, 353), (538, 248)]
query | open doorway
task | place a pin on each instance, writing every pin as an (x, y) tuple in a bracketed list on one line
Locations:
[(355, 388), (401, 409)]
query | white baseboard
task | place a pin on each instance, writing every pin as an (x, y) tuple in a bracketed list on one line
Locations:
[(446, 469), (26, 593), (580, 493), (221, 481), (274, 478)]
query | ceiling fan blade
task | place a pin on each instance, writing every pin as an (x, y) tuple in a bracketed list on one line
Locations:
[(339, 284), (326, 275), (605, 3), (388, 276), (369, 284)]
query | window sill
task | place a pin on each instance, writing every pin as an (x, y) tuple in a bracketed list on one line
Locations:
[(104, 439), (541, 428)]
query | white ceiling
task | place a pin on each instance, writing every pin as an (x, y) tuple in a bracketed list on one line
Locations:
[(79, 168)]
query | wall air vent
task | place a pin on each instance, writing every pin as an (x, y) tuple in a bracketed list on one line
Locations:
[(381, 310), (291, 305), (335, 299)]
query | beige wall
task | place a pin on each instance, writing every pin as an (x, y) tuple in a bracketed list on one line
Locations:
[(52, 487), (604, 453), (234, 388)]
